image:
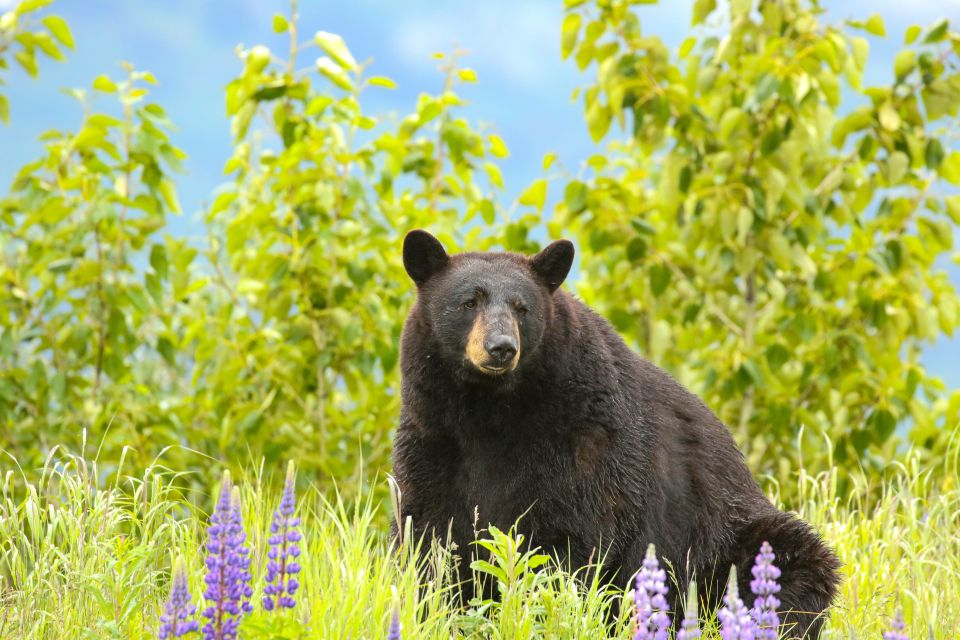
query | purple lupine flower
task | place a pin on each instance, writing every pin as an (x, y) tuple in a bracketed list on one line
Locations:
[(690, 628), (735, 620), (765, 588), (243, 553), (176, 621), (282, 565), (898, 626), (228, 563), (393, 633), (650, 598)]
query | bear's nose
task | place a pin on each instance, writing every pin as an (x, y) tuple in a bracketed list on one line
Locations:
[(501, 348)]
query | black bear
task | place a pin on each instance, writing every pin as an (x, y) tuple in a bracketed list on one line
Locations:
[(518, 400)]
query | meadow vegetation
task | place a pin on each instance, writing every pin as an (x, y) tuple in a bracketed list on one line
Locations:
[(82, 558)]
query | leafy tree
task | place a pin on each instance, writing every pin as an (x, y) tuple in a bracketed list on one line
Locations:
[(88, 296), (296, 350), (769, 229), (19, 36)]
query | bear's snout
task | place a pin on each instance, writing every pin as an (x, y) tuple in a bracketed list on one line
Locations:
[(493, 346), (501, 348)]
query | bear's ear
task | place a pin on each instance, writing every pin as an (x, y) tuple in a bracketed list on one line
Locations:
[(423, 256), (553, 263)]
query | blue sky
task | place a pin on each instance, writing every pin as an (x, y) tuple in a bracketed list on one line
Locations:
[(523, 91)]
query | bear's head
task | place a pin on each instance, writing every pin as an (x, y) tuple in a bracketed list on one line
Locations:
[(487, 311)]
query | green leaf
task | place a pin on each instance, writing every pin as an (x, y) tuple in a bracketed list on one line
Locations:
[(636, 249), (493, 172), (336, 48), (933, 153), (874, 25), (467, 75), (659, 278), (730, 121), (497, 146), (911, 34), (950, 168), (382, 81), (744, 223), (4, 109), (686, 177), (771, 141), (28, 6), (702, 9), (548, 160), (904, 62), (280, 24), (60, 30), (938, 100), (569, 32), (28, 61), (575, 196), (535, 195), (937, 33), (105, 84), (169, 193), (889, 118), (487, 211), (598, 119), (953, 207), (883, 423), (861, 51), (642, 226), (777, 355), (897, 165), (334, 73)]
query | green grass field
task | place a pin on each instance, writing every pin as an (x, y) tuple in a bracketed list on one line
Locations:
[(82, 560)]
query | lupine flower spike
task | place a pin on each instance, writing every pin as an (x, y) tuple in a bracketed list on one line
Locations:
[(393, 633), (243, 552), (228, 576), (177, 621), (282, 565), (690, 628), (735, 620), (765, 588), (898, 626), (650, 598)]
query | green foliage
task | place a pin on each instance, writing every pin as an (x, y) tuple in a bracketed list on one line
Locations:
[(778, 250), (284, 342), (23, 39), (85, 558), (90, 297), (297, 350)]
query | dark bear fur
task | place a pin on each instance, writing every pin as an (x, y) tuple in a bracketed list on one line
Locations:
[(591, 444)]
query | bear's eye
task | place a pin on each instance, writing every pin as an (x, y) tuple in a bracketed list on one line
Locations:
[(522, 310), (469, 304)]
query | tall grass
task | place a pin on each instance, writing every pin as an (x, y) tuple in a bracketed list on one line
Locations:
[(83, 559)]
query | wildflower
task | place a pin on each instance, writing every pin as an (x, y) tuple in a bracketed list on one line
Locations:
[(735, 620), (764, 586), (282, 566), (651, 602), (898, 626), (176, 621), (228, 562), (393, 633), (690, 628)]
